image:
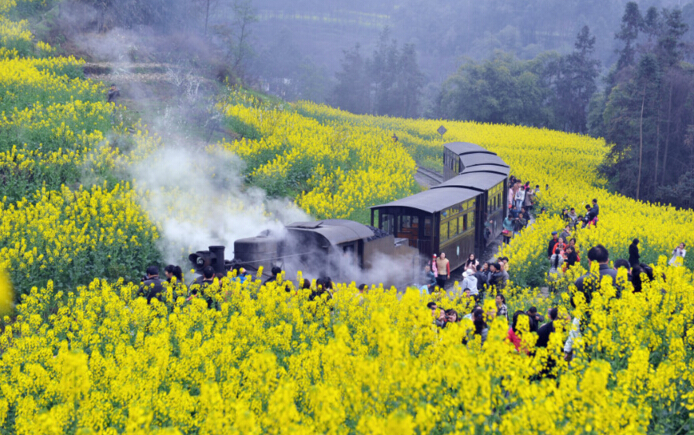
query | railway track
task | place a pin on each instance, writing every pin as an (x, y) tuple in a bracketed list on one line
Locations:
[(432, 178)]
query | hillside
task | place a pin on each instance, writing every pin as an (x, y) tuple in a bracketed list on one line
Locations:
[(91, 197)]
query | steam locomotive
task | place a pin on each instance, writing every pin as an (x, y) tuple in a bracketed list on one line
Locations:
[(458, 217)]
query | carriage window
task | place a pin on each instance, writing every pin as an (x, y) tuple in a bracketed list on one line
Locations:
[(408, 223), (387, 223), (427, 227), (470, 219), (453, 227), (405, 222), (443, 236), (461, 224)]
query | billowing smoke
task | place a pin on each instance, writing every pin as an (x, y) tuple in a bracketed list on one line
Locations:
[(198, 198)]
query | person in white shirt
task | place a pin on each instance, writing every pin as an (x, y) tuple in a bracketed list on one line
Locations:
[(678, 252), (520, 197), (470, 282)]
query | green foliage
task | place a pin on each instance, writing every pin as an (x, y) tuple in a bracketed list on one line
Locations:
[(646, 110), (388, 83), (501, 90)]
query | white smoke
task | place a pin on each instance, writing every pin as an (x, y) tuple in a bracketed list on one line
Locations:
[(198, 198)]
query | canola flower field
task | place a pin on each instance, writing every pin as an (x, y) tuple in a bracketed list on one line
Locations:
[(81, 353)]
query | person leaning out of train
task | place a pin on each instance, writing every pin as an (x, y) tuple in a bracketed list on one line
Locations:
[(444, 268), (151, 286)]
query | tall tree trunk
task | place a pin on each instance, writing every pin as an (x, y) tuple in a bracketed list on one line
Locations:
[(638, 179), (667, 136)]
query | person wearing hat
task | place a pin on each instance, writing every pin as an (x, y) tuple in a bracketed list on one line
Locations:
[(151, 285), (552, 243), (470, 282)]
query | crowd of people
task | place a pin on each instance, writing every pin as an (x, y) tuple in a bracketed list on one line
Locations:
[(563, 255), (521, 203), (590, 218), (152, 286), (522, 323), (476, 276)]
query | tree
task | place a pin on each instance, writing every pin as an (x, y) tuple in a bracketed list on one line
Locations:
[(236, 35), (352, 91), (647, 114), (629, 31), (410, 82), (501, 90), (575, 84), (388, 83)]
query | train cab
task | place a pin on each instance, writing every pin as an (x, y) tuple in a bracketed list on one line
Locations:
[(458, 217), (433, 221)]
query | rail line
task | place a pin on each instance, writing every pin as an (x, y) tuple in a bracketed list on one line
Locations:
[(434, 176)]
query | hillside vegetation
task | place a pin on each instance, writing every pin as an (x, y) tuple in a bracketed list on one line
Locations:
[(82, 353)]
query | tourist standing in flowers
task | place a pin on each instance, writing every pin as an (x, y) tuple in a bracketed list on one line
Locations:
[(552, 243), (641, 274), (275, 273), (573, 217), (507, 229), (555, 269), (589, 282), (444, 268), (529, 200), (571, 257), (520, 197), (480, 324), (514, 331), (471, 261), (482, 276), (566, 233), (634, 256), (543, 334), (574, 334), (428, 279), (470, 282), (595, 210), (513, 211), (679, 252), (520, 223), (452, 316), (501, 309), (172, 271), (113, 93), (151, 285)]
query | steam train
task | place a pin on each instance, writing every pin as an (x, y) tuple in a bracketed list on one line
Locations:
[(458, 217)]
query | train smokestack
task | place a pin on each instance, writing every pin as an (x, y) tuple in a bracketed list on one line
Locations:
[(218, 260)]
